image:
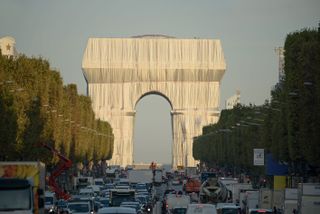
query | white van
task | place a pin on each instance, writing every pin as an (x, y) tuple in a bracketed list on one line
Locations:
[(201, 209)]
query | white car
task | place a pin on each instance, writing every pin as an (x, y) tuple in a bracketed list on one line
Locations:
[(201, 209), (116, 210)]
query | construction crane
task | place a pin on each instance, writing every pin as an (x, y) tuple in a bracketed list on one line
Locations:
[(65, 164)]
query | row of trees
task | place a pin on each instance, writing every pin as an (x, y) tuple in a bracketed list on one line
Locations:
[(288, 126), (36, 108)]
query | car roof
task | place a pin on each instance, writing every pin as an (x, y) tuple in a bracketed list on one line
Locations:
[(116, 210)]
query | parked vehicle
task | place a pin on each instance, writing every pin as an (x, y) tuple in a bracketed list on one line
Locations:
[(309, 198), (22, 187)]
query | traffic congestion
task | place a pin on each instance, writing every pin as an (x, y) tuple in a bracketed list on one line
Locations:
[(157, 191)]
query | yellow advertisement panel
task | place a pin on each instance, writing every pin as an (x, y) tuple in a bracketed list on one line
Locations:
[(279, 182)]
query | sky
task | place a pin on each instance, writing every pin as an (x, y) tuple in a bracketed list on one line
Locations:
[(249, 31)]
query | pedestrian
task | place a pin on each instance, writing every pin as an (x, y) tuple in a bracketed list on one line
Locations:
[(275, 210)]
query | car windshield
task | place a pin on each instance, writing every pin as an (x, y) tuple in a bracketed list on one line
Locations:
[(179, 211), (117, 200), (79, 207), (49, 200), (230, 211), (15, 199), (104, 201), (61, 204)]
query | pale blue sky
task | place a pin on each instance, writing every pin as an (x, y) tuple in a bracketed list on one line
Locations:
[(248, 29)]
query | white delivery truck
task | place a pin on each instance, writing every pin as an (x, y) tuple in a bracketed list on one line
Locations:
[(265, 198), (278, 198), (251, 199), (228, 182), (290, 200), (177, 201), (236, 189), (309, 198)]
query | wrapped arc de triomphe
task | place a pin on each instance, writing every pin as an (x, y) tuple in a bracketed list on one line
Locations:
[(187, 72)]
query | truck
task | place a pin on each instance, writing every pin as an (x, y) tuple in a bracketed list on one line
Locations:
[(213, 191), (157, 177), (22, 186), (140, 176), (228, 182), (236, 189), (251, 199), (177, 201), (265, 198), (290, 200), (309, 198), (192, 185)]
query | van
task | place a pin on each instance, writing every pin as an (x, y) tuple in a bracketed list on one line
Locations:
[(201, 209)]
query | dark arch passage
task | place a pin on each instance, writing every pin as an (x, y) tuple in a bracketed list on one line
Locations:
[(152, 130)]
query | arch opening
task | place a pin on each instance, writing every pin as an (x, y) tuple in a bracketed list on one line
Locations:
[(152, 138)]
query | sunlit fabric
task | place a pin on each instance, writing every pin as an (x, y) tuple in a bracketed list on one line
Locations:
[(187, 72)]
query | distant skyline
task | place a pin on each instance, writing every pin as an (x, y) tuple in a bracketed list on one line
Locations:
[(249, 31)]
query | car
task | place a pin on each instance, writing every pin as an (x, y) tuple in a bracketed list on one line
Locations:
[(179, 210), (260, 211), (104, 201), (93, 207), (201, 209), (50, 201), (117, 210), (80, 207), (132, 204), (60, 206), (176, 182), (228, 208)]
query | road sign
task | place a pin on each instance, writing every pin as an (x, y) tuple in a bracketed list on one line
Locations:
[(258, 157)]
